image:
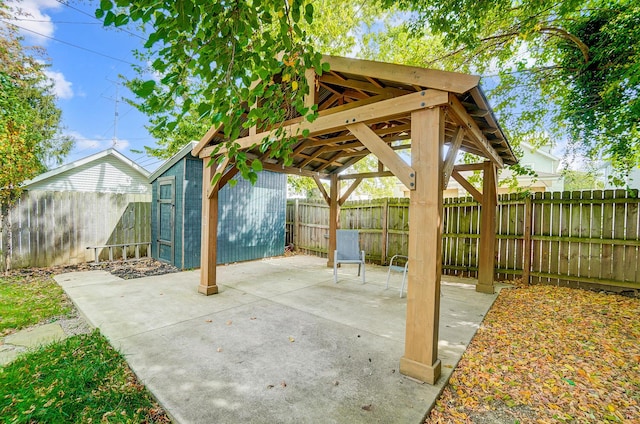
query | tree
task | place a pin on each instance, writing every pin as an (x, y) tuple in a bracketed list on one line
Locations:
[(29, 122), (563, 69), (215, 58), (338, 35)]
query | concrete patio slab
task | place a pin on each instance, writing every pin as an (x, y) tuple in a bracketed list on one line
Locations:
[(279, 343)]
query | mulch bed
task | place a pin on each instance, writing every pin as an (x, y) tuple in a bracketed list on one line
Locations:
[(124, 269), (549, 354)]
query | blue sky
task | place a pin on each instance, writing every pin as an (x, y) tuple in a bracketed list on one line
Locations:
[(86, 61)]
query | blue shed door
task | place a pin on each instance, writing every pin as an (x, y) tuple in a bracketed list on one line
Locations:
[(166, 218)]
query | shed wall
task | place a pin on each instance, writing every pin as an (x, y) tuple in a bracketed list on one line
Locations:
[(251, 223), (251, 219)]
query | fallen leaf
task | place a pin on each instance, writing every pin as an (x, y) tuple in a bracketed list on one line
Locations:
[(368, 407), (335, 383), (208, 320), (229, 322), (219, 349), (283, 383), (291, 339), (270, 386), (252, 318)]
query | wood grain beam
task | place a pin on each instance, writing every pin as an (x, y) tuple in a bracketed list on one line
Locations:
[(386, 154), (322, 189), (366, 175), (467, 186), (410, 75), (350, 190), (367, 113), (460, 115), (451, 156), (469, 167), (274, 167), (361, 85)]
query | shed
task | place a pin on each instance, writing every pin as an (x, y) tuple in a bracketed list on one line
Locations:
[(108, 171), (364, 108), (254, 230)]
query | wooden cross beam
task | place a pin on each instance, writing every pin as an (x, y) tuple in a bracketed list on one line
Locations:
[(384, 153), (461, 116), (325, 124)]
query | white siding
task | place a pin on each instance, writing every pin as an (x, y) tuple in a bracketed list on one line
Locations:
[(104, 175)]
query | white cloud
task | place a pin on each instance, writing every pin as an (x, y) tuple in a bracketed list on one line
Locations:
[(121, 145), (61, 87), (30, 14), (88, 145)]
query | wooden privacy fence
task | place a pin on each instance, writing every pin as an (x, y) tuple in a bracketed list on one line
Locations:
[(589, 238), (55, 228)]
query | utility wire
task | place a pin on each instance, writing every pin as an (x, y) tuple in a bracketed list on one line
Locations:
[(93, 17), (70, 44), (55, 22)]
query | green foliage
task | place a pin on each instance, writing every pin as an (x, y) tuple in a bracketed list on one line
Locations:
[(215, 59), (602, 104), (175, 123), (29, 300), (562, 69), (29, 118), (579, 180), (80, 380)]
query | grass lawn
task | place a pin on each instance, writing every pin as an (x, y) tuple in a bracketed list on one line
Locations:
[(79, 380), (549, 354), (29, 300)]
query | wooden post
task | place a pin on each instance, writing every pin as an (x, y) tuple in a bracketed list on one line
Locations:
[(528, 220), (385, 231), (208, 249), (296, 225), (420, 358), (487, 259), (334, 217)]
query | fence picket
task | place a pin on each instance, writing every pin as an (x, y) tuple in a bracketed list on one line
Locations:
[(54, 228), (576, 238)]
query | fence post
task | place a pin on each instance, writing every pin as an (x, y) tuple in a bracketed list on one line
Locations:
[(528, 219), (385, 231), (296, 224)]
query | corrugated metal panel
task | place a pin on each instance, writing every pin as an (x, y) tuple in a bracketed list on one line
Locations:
[(192, 217), (251, 221), (104, 175)]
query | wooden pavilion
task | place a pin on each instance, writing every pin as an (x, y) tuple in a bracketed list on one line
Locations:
[(379, 108)]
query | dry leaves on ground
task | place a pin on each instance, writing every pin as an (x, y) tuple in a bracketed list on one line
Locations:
[(549, 354)]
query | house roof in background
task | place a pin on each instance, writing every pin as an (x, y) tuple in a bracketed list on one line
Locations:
[(537, 150), (80, 162), (186, 149)]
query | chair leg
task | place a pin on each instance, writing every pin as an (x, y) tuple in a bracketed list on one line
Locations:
[(335, 266), (363, 267), (404, 279)]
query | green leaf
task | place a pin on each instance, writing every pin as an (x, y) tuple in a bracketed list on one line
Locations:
[(308, 13), (145, 88), (256, 165), (121, 19), (105, 5), (109, 18)]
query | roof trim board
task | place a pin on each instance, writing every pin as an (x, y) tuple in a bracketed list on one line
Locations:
[(186, 149), (80, 162)]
